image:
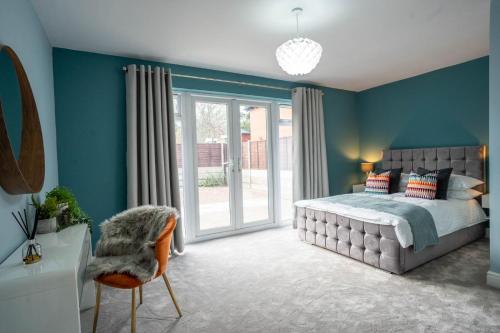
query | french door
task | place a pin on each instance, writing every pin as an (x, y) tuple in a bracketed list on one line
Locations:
[(229, 149)]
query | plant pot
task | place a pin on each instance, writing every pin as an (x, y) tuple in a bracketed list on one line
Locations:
[(61, 208), (47, 225), (64, 218)]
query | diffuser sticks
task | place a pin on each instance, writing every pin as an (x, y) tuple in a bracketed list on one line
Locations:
[(32, 251)]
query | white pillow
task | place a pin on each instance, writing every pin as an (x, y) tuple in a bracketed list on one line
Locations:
[(403, 183), (459, 182), (463, 194)]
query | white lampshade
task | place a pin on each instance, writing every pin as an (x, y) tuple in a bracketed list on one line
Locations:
[(298, 56)]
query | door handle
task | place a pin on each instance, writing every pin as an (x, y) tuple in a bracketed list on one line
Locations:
[(229, 166), (232, 164)]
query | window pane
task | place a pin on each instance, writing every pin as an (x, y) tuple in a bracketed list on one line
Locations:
[(253, 123), (285, 161), (213, 189)]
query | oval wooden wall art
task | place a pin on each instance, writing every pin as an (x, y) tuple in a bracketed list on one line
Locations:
[(27, 174)]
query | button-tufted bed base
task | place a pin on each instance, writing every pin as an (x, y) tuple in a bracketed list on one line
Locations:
[(374, 244)]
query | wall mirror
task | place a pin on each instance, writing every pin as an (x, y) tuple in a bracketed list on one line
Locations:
[(22, 158)]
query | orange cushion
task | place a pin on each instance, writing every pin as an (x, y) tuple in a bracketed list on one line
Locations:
[(123, 281)]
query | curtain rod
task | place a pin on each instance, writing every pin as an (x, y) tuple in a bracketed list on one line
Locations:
[(241, 83)]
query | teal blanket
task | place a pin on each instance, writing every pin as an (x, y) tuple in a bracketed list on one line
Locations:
[(421, 221)]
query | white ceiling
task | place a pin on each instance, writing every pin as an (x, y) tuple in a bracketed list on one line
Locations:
[(366, 43)]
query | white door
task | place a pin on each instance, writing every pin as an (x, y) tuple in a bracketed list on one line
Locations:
[(228, 149), (253, 148), (214, 166)]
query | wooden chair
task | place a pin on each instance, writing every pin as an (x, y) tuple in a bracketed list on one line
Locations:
[(125, 281)]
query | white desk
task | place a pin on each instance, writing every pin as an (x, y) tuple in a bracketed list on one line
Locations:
[(49, 295)]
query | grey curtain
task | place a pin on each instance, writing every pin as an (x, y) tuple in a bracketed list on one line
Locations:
[(310, 171), (151, 149)]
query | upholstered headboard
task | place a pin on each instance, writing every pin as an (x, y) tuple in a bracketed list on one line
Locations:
[(467, 160)]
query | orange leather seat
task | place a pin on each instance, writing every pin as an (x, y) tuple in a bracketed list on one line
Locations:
[(127, 281), (122, 281)]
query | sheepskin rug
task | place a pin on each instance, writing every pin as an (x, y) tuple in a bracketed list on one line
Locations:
[(127, 243)]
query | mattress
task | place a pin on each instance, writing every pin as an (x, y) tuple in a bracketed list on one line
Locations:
[(449, 215)]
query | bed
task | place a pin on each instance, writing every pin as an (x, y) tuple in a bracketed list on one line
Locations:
[(372, 238)]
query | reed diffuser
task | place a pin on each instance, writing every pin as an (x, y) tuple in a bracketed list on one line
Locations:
[(32, 251)]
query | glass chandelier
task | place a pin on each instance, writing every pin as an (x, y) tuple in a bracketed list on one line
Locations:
[(300, 55)]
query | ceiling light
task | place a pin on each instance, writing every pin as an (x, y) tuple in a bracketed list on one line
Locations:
[(300, 55)]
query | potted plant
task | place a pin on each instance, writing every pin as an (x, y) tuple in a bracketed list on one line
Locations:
[(69, 212), (47, 213)]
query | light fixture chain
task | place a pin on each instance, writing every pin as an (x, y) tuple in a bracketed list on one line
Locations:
[(297, 22)]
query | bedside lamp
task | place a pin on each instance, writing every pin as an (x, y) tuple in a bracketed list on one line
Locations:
[(366, 167)]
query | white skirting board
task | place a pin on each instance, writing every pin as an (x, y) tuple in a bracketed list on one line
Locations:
[(493, 279)]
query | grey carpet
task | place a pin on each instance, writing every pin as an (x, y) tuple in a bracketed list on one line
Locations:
[(269, 281)]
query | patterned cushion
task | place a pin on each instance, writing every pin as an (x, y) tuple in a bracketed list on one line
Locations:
[(422, 186), (378, 183), (443, 178), (395, 178)]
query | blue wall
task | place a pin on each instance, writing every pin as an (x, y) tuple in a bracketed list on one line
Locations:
[(451, 103), (21, 30), (90, 112), (10, 95), (446, 107), (495, 135)]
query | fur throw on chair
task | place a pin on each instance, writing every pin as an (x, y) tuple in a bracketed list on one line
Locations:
[(127, 243)]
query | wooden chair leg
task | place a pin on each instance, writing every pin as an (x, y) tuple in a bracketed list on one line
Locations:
[(97, 305), (140, 295), (133, 313), (172, 295)]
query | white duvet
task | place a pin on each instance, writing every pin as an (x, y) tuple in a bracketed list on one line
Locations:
[(449, 215)]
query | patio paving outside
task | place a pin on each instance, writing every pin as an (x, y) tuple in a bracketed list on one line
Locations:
[(214, 200)]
